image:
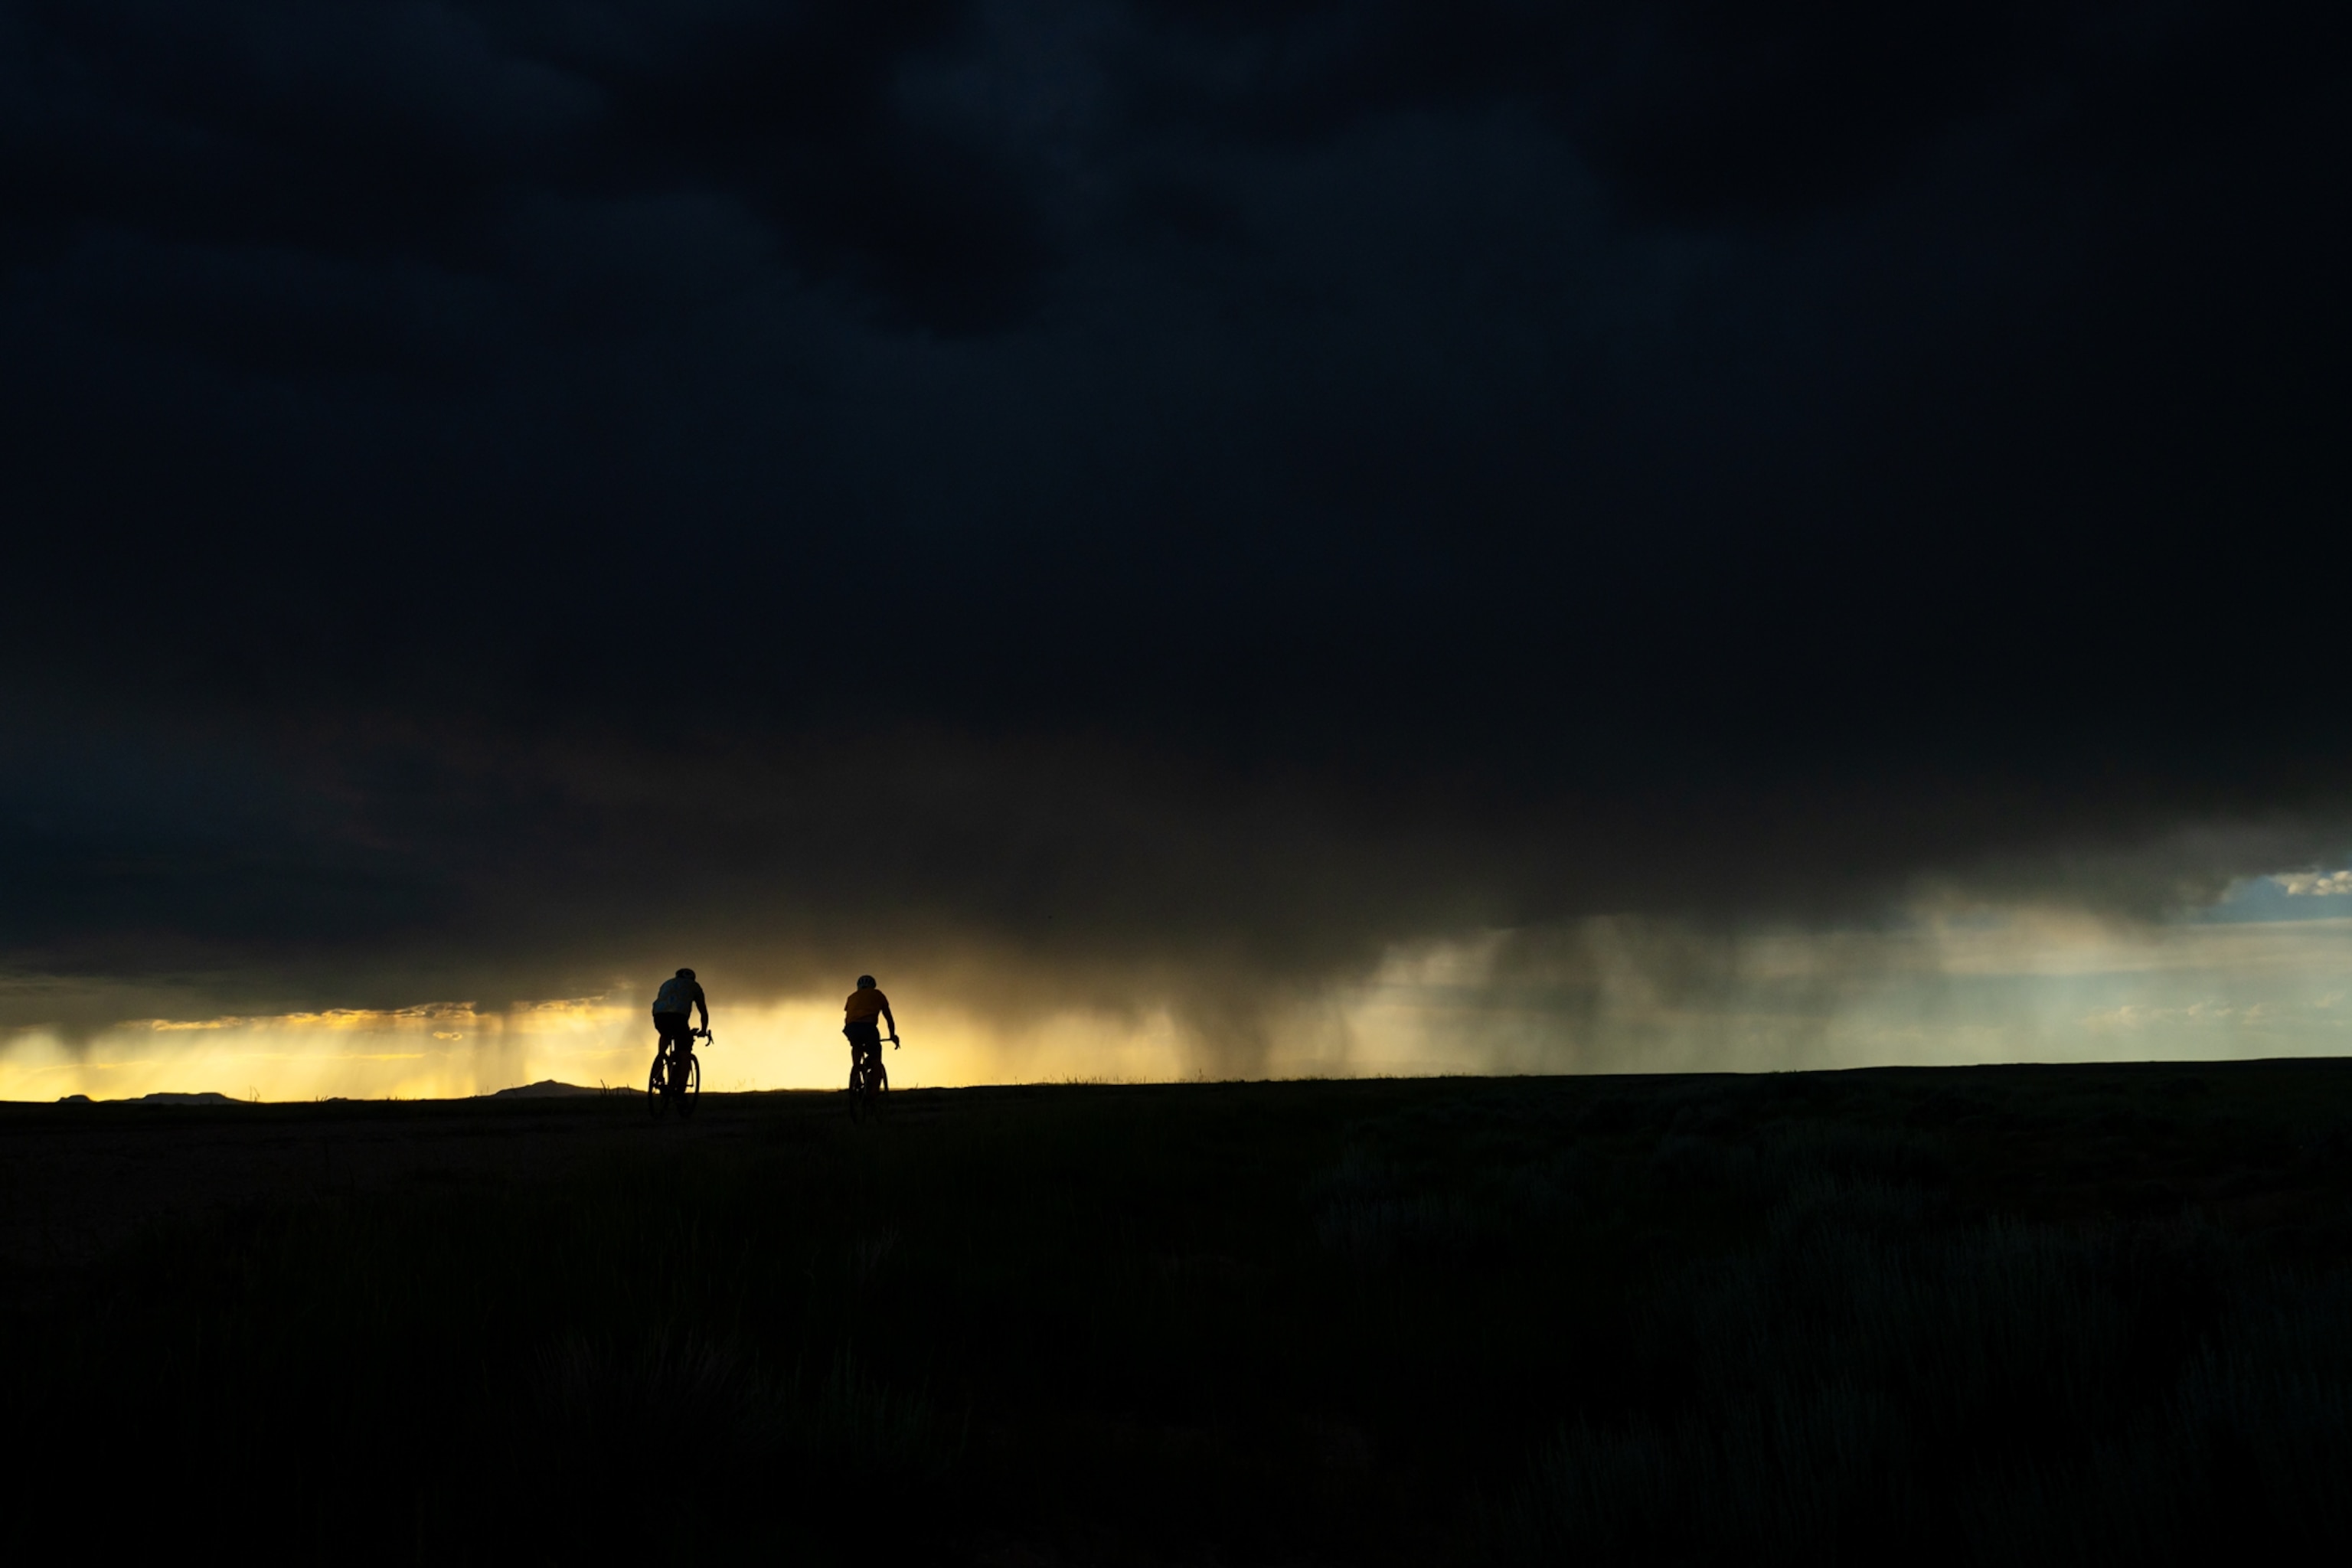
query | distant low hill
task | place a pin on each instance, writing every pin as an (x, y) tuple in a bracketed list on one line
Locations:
[(545, 1089)]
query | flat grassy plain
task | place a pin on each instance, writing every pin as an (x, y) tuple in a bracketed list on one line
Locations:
[(2001, 1314)]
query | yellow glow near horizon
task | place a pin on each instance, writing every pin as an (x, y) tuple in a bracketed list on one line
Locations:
[(1602, 996), (450, 1050)]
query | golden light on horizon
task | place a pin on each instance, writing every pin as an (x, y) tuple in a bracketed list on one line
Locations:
[(1602, 995), (451, 1050)]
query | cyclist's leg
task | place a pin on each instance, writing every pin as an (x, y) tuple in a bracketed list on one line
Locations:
[(675, 1041), (865, 1040)]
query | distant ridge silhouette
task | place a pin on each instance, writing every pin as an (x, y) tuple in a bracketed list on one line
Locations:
[(208, 1097), (545, 1089)]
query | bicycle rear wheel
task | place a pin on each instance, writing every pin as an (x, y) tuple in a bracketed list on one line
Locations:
[(655, 1087)]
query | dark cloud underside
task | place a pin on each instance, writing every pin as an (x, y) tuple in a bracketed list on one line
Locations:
[(1144, 484)]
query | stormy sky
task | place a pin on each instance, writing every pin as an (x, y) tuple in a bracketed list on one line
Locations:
[(1165, 509)]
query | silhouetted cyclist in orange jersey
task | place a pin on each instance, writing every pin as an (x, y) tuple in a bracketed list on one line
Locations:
[(857, 1015)]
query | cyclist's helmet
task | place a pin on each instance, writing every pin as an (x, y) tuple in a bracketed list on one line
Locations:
[(866, 982), (686, 974)]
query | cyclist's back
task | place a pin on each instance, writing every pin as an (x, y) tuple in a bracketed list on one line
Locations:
[(673, 1017), (858, 1016)]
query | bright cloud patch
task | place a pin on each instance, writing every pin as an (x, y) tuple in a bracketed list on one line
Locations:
[(2314, 884)]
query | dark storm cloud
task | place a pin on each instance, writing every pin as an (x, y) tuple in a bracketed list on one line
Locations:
[(1144, 490)]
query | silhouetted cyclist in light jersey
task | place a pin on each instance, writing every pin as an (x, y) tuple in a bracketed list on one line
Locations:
[(673, 1018), (857, 1015)]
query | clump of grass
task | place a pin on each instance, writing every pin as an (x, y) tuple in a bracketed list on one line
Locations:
[(1367, 1213)]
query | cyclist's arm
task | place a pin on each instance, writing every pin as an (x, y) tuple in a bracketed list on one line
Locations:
[(889, 1020), (703, 1002)]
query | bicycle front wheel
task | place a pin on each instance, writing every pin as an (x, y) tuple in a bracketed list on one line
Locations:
[(690, 1085)]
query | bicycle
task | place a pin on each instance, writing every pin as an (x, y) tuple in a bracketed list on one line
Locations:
[(870, 1080), (677, 1075)]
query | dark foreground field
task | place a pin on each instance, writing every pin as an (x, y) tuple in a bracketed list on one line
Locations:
[(1991, 1315)]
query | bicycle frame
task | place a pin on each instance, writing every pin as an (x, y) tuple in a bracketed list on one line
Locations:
[(676, 1073), (870, 1080)]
